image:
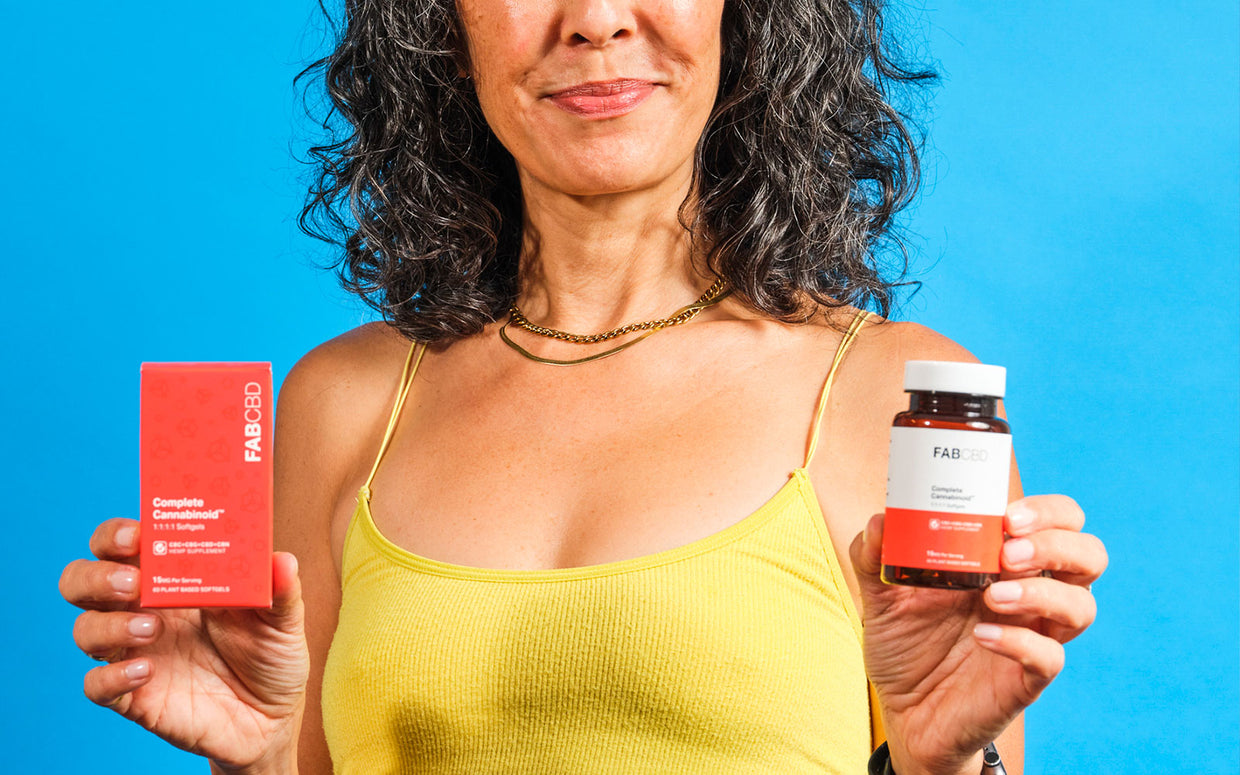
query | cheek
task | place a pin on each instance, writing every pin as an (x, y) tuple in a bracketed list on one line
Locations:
[(502, 51), (694, 38), (501, 36)]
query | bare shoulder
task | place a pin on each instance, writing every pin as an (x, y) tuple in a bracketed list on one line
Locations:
[(875, 367), (336, 376), (890, 343), (331, 406)]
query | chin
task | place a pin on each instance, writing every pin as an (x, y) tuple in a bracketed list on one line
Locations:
[(605, 185), (592, 171)]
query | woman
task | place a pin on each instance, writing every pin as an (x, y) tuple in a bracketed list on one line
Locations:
[(512, 565)]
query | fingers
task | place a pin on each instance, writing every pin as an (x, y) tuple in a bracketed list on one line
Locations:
[(115, 539), (1041, 657), (1077, 558), (106, 635), (1046, 536), (100, 585), (1042, 512), (110, 685), (112, 582), (1070, 607), (106, 587)]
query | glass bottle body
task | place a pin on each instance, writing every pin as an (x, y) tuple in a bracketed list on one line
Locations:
[(947, 412)]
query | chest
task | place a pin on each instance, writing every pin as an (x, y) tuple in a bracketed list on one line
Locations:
[(529, 469)]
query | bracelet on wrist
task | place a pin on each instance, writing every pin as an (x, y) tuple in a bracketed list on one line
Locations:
[(880, 761)]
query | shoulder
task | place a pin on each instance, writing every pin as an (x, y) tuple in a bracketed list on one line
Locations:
[(883, 346), (868, 387), (871, 378), (875, 360), (344, 374), (337, 393)]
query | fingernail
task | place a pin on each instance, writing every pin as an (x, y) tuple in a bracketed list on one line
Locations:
[(989, 632), (1018, 550), (1005, 591), (1019, 517), (144, 626), (125, 537), (136, 670), (124, 581)]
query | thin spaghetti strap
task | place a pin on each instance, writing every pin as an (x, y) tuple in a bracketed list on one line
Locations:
[(406, 379), (849, 336)]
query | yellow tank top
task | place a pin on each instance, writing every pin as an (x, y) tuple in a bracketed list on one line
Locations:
[(736, 653)]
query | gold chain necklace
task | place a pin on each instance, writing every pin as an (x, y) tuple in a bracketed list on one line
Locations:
[(713, 295)]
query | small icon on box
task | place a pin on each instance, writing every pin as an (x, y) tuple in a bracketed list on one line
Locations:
[(159, 548)]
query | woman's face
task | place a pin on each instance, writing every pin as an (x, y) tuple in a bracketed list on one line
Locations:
[(596, 96)]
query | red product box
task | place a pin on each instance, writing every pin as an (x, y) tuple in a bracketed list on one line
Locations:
[(206, 485)]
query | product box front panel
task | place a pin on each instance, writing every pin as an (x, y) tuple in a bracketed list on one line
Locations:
[(206, 485)]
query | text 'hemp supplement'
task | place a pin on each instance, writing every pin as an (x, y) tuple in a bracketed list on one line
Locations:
[(947, 478)]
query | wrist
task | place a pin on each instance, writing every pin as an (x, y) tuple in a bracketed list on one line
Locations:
[(884, 761), (278, 760), (904, 765), (282, 765)]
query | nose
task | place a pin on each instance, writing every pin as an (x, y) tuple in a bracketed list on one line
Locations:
[(596, 23)]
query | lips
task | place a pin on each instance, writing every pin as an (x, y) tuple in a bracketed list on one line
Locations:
[(603, 99)]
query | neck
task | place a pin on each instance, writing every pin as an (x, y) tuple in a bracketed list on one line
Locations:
[(594, 263)]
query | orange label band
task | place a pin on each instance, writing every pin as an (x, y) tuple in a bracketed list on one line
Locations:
[(937, 540)]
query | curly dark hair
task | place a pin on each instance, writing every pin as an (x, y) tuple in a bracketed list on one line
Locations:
[(798, 174)]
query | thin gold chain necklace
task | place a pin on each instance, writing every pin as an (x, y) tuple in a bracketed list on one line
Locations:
[(713, 295)]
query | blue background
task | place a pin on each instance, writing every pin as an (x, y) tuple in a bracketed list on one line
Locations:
[(1079, 225)]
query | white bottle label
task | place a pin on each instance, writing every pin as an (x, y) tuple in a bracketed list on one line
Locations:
[(947, 491)]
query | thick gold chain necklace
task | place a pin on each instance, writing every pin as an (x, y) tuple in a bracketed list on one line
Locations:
[(714, 294)]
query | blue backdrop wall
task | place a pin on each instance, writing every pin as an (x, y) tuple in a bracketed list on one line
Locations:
[(1079, 225)]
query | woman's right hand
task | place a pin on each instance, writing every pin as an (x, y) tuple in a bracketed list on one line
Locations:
[(228, 684)]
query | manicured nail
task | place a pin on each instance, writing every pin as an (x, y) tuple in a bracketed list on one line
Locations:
[(143, 626), (125, 581), (136, 670), (1019, 517), (1018, 550), (1005, 591), (125, 537), (990, 632)]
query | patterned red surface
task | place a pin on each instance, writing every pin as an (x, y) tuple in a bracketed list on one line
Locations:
[(206, 484)]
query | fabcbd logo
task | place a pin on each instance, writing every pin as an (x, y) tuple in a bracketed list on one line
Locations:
[(963, 454), (253, 422)]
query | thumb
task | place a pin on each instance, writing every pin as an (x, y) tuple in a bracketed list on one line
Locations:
[(866, 551), (286, 610)]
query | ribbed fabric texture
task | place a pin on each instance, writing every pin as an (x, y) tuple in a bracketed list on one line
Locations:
[(738, 653)]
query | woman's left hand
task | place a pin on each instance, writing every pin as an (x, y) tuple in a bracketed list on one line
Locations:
[(953, 669)]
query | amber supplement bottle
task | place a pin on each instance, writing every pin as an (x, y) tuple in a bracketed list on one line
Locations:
[(947, 478)]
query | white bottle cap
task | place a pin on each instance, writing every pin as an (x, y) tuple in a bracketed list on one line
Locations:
[(976, 379)]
